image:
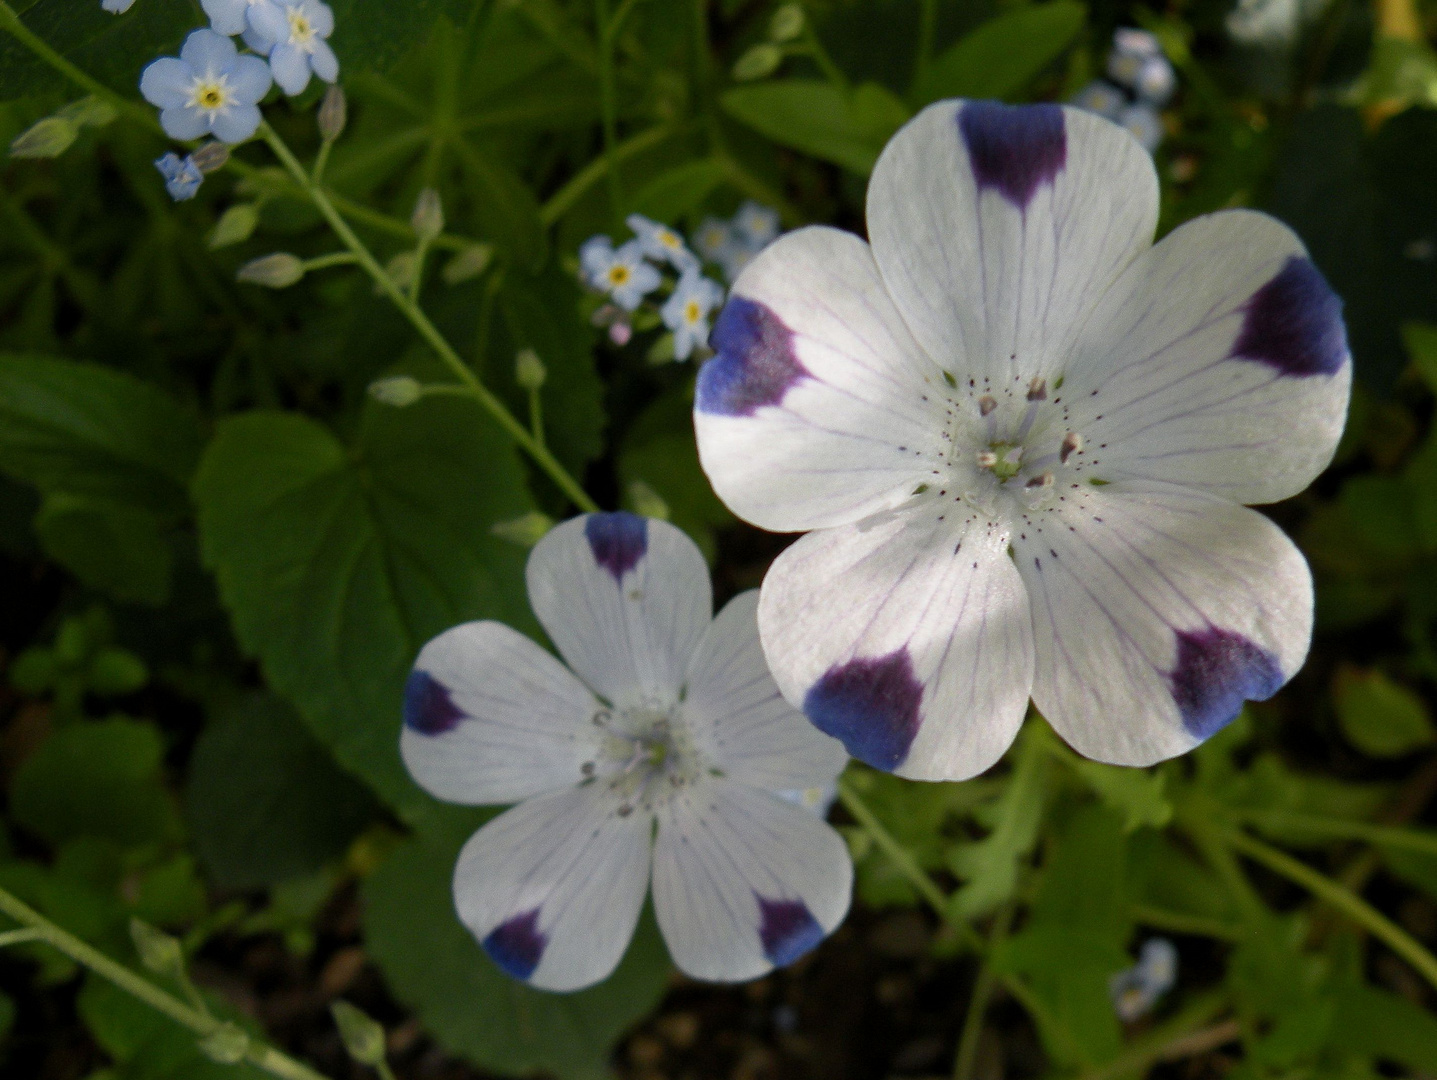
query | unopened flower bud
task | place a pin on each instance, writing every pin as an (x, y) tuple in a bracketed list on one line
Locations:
[(397, 390), (529, 370), (526, 531), (49, 138), (277, 271), (761, 60), (333, 114), (428, 218), (362, 1035), (647, 502), (211, 157), (157, 950), (469, 263), (236, 225), (401, 270), (92, 111), (786, 24), (621, 333), (226, 1044)]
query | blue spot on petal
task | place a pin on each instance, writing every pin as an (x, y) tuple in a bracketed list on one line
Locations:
[(1217, 670), (618, 541), (787, 929), (754, 364), (1014, 149), (1294, 323), (869, 705), (517, 946), (428, 707)]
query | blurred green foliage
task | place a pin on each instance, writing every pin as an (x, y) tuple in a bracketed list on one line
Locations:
[(240, 553)]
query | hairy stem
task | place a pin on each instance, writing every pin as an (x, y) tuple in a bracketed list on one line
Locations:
[(967, 1056), (40, 928), (427, 330)]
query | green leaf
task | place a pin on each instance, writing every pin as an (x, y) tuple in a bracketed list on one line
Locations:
[(373, 34), (434, 965), (1137, 794), (265, 802), (88, 430), (989, 867), (113, 547), (1005, 54), (96, 779), (338, 564), (679, 191), (1421, 342), (1383, 1025), (818, 118), (1378, 716)]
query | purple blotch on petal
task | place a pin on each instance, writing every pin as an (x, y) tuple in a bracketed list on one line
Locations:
[(869, 705), (754, 363), (1216, 671), (1294, 323), (787, 929), (1014, 149), (428, 708), (517, 945), (618, 540)]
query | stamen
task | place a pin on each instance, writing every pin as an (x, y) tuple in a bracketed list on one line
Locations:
[(987, 459), (986, 405), (1038, 389), (1044, 481), (1072, 443)]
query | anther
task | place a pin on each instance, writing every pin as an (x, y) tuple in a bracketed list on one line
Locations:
[(1044, 481), (1072, 443), (987, 459), (1038, 389), (986, 405)]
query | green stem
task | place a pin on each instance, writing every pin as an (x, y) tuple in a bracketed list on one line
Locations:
[(578, 185), (427, 330), (321, 161), (1344, 900), (609, 106), (1163, 1042), (536, 417), (1383, 835), (336, 258), (265, 1057), (967, 1056), (820, 56), (19, 937), (1176, 922)]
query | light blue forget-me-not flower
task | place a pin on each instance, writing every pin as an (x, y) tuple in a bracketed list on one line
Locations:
[(232, 16), (292, 34), (210, 88), (686, 312), (183, 176)]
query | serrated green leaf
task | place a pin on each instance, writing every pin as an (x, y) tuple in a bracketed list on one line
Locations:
[(432, 963), (1005, 54), (848, 128), (1135, 793), (1383, 1025), (265, 802), (338, 564)]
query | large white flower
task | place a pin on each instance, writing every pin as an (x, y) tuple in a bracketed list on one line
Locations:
[(667, 745), (1024, 435)]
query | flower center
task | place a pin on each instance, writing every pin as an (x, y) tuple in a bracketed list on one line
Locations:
[(645, 756), (210, 94), (692, 311), (618, 274), (301, 31)]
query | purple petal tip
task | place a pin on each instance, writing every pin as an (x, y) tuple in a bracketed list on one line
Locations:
[(1216, 672), (1294, 323), (618, 541), (753, 365), (517, 945), (428, 707), (787, 930), (1014, 149), (869, 705)]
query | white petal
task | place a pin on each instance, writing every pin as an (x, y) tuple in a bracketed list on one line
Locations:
[(166, 83), (1157, 611), (490, 717), (320, 16), (907, 636), (324, 62), (291, 68), (226, 16), (208, 53), (626, 600), (184, 123), (745, 882), (997, 227), (813, 411), (249, 79), (236, 123), (268, 22), (741, 722), (553, 887), (1219, 361)]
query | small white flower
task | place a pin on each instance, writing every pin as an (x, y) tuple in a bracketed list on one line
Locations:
[(209, 89), (1135, 991), (620, 272), (1022, 436), (662, 243), (756, 224), (232, 16), (662, 748), (686, 312), (292, 34), (1102, 98), (1136, 61), (1143, 123), (712, 239)]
